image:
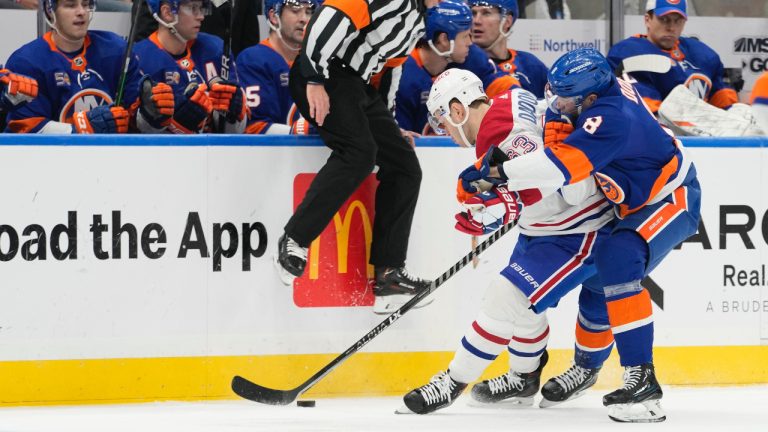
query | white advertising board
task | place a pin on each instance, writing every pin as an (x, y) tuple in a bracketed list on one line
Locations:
[(96, 294)]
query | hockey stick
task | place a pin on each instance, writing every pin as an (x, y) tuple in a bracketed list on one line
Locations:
[(645, 63), (127, 55), (257, 393), (228, 13)]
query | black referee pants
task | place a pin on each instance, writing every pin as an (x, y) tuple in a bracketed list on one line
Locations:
[(362, 133)]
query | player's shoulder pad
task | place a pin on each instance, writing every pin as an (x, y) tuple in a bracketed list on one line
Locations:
[(107, 37), (208, 41), (26, 60), (257, 55), (530, 59), (632, 46)]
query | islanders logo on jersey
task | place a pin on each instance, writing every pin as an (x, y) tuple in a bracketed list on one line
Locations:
[(699, 84), (84, 100), (610, 188)]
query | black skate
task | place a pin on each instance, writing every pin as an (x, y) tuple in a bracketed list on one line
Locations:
[(512, 387), (290, 259), (394, 287), (439, 393), (639, 401), (568, 385)]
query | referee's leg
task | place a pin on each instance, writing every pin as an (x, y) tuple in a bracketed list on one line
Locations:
[(345, 131), (399, 178)]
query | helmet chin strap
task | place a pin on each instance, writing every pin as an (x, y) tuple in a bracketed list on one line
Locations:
[(442, 53), (171, 26), (277, 29), (460, 126), (52, 23)]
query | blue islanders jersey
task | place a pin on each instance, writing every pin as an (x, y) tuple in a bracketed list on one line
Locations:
[(70, 82), (618, 141), (694, 65), (200, 63), (415, 83), (527, 69), (264, 76)]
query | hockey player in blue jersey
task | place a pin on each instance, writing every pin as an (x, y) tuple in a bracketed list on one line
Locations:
[(446, 43), (189, 61), (652, 183), (694, 64), (492, 22), (263, 69), (554, 254), (78, 73)]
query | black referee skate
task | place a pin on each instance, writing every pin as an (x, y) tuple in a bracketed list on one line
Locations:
[(439, 393), (394, 287), (639, 401), (290, 259), (568, 385), (512, 387)]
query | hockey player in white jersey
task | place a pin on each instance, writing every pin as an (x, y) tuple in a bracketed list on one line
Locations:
[(553, 254)]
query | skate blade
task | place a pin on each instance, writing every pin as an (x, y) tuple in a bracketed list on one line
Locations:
[(285, 277), (387, 304), (546, 403), (644, 412), (404, 410), (511, 403)]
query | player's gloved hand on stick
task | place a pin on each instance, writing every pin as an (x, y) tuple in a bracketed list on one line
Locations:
[(103, 119), (192, 110), (555, 132), (489, 211), (156, 102), (227, 97), (478, 176), (16, 89), (302, 127)]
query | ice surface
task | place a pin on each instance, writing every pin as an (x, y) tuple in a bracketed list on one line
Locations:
[(730, 409)]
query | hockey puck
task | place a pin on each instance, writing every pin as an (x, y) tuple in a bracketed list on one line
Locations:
[(306, 403)]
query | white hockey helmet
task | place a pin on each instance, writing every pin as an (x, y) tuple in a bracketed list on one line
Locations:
[(453, 84)]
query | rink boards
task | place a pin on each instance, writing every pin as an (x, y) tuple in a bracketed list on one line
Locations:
[(140, 268)]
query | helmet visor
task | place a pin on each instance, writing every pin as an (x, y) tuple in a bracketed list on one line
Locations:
[(195, 8), (436, 121), (563, 105)]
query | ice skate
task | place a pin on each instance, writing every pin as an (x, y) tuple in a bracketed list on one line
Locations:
[(511, 388), (568, 386), (290, 259), (439, 393), (394, 287), (639, 400)]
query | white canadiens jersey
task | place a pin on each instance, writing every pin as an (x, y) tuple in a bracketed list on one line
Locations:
[(512, 124)]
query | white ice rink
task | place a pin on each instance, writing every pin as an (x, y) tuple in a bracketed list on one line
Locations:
[(731, 409)]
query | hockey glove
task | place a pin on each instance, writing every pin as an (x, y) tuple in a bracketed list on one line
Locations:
[(192, 110), (228, 97), (555, 132), (103, 119), (302, 127), (477, 177), (489, 211), (156, 102), (16, 89)]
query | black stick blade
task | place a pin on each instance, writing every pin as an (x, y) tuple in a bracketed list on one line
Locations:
[(252, 391)]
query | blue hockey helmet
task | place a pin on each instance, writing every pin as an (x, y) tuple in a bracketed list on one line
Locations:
[(506, 7), (576, 75), (154, 6), (450, 17), (49, 7), (277, 5)]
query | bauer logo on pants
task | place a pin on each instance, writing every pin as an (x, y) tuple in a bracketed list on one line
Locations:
[(337, 271)]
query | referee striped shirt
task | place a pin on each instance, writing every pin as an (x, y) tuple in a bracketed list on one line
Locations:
[(363, 34)]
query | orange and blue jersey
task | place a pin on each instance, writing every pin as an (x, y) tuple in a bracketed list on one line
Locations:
[(70, 82), (264, 76), (200, 62), (415, 83), (694, 65), (526, 68)]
